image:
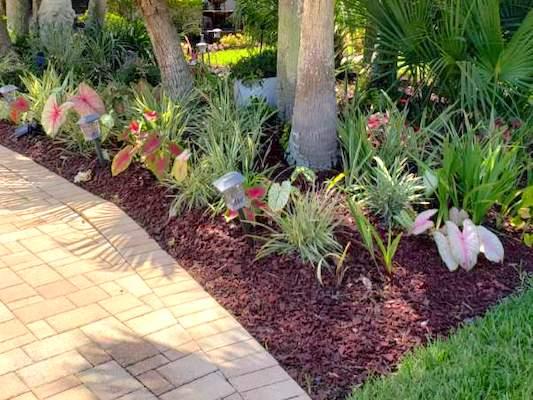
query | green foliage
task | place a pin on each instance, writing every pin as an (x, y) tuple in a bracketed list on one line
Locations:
[(372, 241), (389, 192), (305, 228), (489, 358), (459, 48), (259, 18), (39, 89), (224, 138), (174, 117), (231, 56), (187, 15), (476, 172), (257, 66)]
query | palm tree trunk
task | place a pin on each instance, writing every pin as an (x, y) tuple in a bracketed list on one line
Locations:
[(35, 14), (97, 11), (5, 43), (313, 141), (175, 74), (18, 17), (290, 13)]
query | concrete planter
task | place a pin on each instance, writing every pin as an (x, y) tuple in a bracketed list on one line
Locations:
[(265, 88)]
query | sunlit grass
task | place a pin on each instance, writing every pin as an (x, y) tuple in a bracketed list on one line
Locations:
[(229, 57), (491, 359)]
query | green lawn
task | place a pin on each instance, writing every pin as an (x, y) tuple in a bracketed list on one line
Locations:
[(491, 359), (231, 56)]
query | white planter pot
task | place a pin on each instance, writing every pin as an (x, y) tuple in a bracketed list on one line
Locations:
[(265, 88)]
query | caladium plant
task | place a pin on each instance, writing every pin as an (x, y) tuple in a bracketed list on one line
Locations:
[(86, 101), (156, 152), (255, 204), (460, 248)]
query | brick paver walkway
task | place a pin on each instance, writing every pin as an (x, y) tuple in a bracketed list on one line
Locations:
[(92, 309)]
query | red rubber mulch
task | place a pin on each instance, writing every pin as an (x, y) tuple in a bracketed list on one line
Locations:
[(329, 340)]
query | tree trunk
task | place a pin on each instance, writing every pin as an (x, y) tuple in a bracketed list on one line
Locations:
[(175, 74), (56, 15), (5, 43), (290, 13), (313, 141), (18, 17), (35, 14), (97, 11)]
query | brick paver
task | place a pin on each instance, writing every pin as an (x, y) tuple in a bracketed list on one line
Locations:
[(91, 308)]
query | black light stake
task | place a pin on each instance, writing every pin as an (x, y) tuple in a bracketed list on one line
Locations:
[(231, 187), (90, 126)]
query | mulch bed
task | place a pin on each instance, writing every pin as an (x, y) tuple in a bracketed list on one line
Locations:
[(328, 339)]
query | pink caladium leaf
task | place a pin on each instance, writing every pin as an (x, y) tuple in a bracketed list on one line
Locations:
[(150, 115), (423, 222), (464, 245), (491, 246), (249, 214), (151, 144), (159, 165), (230, 215), (174, 149), (122, 160), (256, 192), (54, 115), (21, 105), (445, 251), (135, 127), (87, 101)]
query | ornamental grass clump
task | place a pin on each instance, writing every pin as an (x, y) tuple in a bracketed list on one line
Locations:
[(306, 228)]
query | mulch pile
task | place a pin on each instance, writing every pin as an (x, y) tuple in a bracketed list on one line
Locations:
[(328, 339)]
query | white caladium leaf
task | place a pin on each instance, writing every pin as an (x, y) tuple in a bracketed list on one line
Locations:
[(464, 245), (458, 216), (491, 246), (423, 222), (443, 245)]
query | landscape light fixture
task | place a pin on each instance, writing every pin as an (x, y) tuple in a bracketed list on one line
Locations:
[(9, 93), (232, 189), (217, 32), (90, 126), (202, 45)]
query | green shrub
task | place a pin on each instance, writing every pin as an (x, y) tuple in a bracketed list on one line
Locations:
[(305, 228), (390, 191), (477, 172), (257, 66)]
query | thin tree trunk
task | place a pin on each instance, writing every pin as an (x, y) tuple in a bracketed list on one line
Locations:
[(97, 11), (5, 43), (175, 74), (313, 141), (290, 13), (36, 4), (18, 17)]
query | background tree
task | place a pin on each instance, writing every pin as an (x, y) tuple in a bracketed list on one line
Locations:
[(175, 74), (18, 17), (5, 43), (290, 12), (97, 11), (313, 141)]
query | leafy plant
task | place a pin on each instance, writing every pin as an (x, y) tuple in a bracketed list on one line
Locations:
[(372, 239), (154, 151), (390, 192), (235, 41), (459, 47), (523, 215), (306, 227), (476, 172), (256, 67), (460, 248)]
